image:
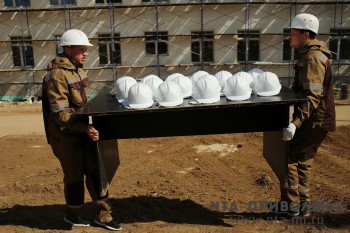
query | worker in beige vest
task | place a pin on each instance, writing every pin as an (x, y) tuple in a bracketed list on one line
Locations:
[(71, 138), (311, 120)]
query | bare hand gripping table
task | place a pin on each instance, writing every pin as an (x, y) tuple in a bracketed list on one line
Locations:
[(258, 114)]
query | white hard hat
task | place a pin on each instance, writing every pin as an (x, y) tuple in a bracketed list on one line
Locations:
[(255, 73), (153, 81), (206, 89), (185, 84), (246, 76), (222, 77), (173, 76), (148, 77), (74, 37), (267, 84), (122, 86), (237, 88), (169, 94), (140, 96), (306, 22), (197, 74)]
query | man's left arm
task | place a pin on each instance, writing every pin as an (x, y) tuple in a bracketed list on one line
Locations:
[(312, 78)]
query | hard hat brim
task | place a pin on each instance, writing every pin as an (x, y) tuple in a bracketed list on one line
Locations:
[(209, 101), (144, 105), (243, 97), (301, 28), (269, 93), (187, 95), (69, 44), (171, 104)]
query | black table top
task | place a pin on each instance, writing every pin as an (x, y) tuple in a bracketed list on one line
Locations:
[(106, 104)]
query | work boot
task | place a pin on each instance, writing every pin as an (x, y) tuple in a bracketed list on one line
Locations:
[(284, 208), (73, 217), (305, 210), (104, 217)]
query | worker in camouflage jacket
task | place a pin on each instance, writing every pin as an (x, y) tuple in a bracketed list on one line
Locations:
[(72, 138), (311, 120)]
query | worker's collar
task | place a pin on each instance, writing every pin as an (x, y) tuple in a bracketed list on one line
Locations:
[(74, 63)]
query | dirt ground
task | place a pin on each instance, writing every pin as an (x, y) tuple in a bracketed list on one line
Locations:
[(172, 184)]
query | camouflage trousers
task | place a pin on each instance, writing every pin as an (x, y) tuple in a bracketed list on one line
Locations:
[(302, 151)]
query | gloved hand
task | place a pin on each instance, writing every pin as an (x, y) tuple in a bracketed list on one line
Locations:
[(288, 133)]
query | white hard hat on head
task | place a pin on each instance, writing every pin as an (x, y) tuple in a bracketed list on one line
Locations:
[(222, 77), (267, 84), (206, 89), (122, 86), (245, 76), (74, 37), (197, 74), (185, 84), (306, 22), (140, 96), (237, 88), (153, 81), (169, 94)]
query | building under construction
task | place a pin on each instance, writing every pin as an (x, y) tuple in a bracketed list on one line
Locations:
[(141, 37)]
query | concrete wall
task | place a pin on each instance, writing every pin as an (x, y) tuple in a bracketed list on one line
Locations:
[(179, 21)]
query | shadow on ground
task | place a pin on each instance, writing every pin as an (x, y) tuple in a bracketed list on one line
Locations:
[(141, 209)]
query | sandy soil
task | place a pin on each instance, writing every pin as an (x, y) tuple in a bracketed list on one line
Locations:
[(168, 184)]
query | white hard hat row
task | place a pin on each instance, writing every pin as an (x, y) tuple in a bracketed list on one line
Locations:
[(203, 87)]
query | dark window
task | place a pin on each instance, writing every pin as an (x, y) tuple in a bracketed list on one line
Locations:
[(8, 2), (109, 49), (22, 2), (63, 2), (17, 2), (108, 1), (248, 46), (22, 51), (204, 46), (151, 43), (339, 44)]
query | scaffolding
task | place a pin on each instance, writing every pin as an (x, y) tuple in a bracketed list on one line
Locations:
[(204, 14)]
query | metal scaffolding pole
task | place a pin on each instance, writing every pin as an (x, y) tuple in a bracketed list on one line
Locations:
[(247, 35), (24, 48), (157, 35), (112, 34), (339, 39), (67, 23), (201, 44)]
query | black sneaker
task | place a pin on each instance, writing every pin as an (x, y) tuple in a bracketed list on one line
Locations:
[(76, 221), (293, 212), (112, 225), (304, 210)]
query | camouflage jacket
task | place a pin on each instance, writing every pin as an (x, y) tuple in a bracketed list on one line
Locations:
[(313, 78), (63, 93)]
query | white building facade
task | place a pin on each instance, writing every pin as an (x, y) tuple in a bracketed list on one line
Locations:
[(140, 37)]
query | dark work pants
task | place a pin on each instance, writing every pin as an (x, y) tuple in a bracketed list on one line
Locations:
[(303, 148)]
